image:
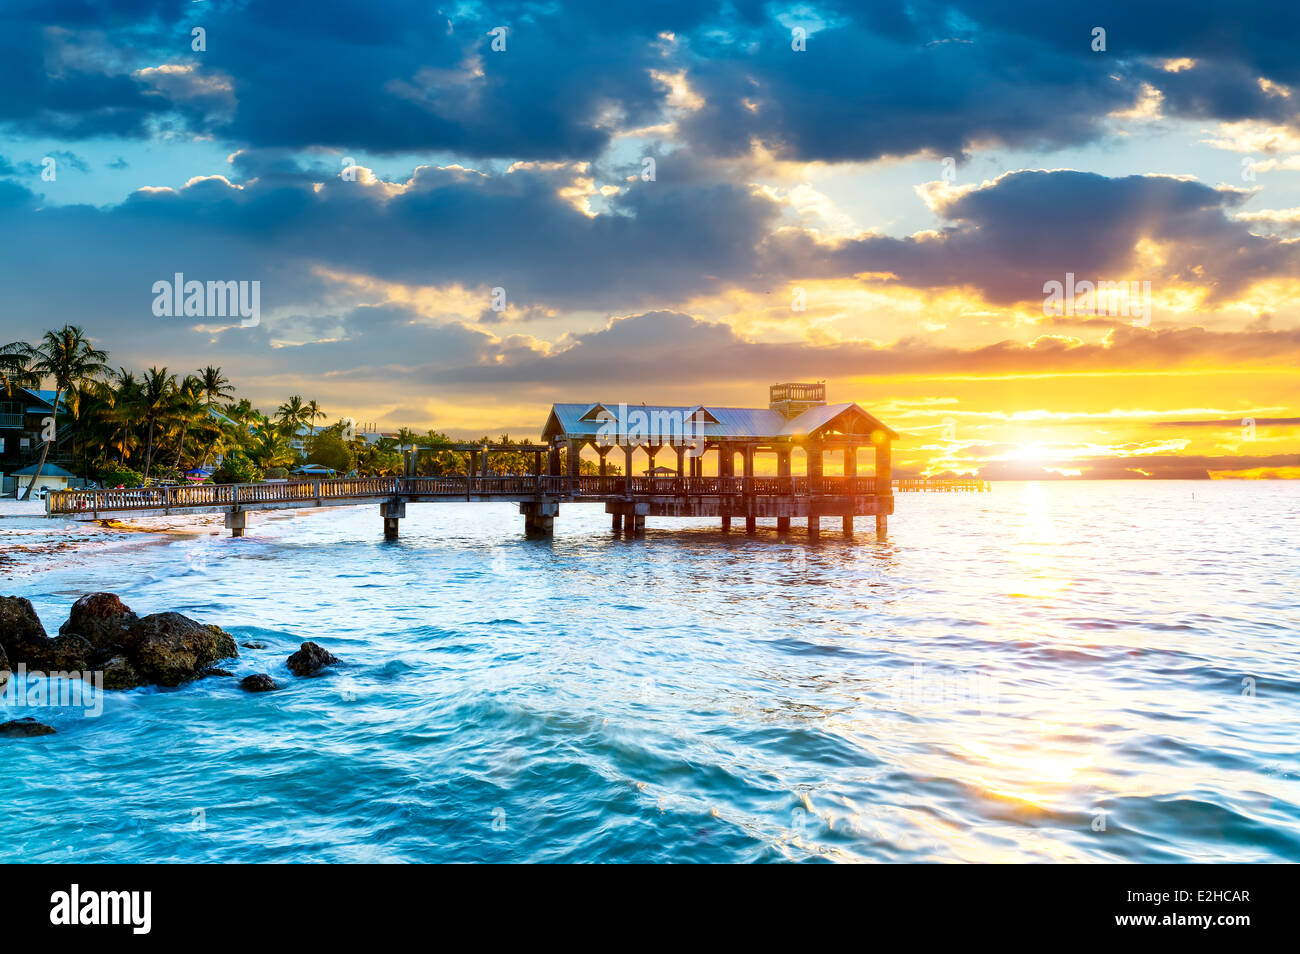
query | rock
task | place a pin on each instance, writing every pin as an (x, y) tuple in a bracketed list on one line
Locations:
[(253, 645), (168, 648), (310, 659), (120, 674), (21, 632), (214, 671), (24, 729), (258, 683), (4, 668), (23, 639), (63, 653), (103, 620)]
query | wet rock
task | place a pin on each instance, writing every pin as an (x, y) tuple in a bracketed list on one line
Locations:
[(253, 645), (23, 639), (310, 659), (21, 632), (103, 620), (4, 668), (169, 649), (63, 653), (24, 729), (258, 683), (120, 674), (214, 671)]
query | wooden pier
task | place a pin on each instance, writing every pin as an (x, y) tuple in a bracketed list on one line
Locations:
[(797, 421)]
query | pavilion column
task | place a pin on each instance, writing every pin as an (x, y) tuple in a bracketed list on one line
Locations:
[(553, 460), (751, 522), (814, 452), (850, 471), (573, 465), (783, 470), (485, 461), (726, 465), (627, 469), (884, 484), (681, 461), (603, 452)]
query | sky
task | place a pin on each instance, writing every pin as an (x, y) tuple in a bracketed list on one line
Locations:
[(460, 214)]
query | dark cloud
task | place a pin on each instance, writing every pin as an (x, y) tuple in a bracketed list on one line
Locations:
[(1008, 238), (884, 79), (672, 348), (516, 231)]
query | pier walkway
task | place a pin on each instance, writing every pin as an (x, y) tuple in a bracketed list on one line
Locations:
[(629, 500)]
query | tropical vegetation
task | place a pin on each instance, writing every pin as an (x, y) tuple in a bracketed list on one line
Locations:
[(124, 427)]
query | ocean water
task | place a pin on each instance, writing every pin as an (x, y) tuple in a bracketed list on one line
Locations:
[(1098, 672)]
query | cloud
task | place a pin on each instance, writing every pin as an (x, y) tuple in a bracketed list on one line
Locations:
[(1006, 238)]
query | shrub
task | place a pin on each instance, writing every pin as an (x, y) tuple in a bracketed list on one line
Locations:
[(236, 469), (330, 451), (111, 475), (275, 473)]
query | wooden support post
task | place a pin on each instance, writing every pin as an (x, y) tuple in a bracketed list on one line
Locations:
[(603, 452), (814, 452), (617, 522), (681, 461), (850, 470), (573, 465), (726, 467), (485, 470), (783, 470), (236, 522), (553, 460), (627, 469), (634, 523), (751, 523), (884, 483)]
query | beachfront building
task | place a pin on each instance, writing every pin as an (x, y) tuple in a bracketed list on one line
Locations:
[(25, 415)]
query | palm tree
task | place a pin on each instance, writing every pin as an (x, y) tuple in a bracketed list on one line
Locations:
[(156, 392), (314, 413), (188, 408), (67, 357), (15, 370), (268, 446), (291, 414)]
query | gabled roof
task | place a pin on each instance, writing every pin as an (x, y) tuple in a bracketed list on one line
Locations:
[(858, 420), (721, 423), (49, 470), (46, 398)]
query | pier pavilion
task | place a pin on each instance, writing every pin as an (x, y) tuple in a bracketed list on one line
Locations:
[(797, 419)]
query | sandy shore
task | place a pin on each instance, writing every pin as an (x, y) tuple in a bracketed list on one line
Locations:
[(31, 542)]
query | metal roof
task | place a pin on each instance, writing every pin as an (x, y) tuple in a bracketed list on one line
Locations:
[(49, 470), (665, 421)]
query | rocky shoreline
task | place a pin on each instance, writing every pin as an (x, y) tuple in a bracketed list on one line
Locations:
[(104, 637)]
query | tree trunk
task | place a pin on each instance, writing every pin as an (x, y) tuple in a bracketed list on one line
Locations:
[(45, 451), (180, 448), (148, 454)]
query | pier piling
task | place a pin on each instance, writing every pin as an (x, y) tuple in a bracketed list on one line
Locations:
[(236, 521)]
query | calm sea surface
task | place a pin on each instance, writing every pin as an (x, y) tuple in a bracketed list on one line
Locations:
[(1047, 672)]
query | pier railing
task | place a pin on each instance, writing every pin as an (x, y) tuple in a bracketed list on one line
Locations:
[(320, 492)]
